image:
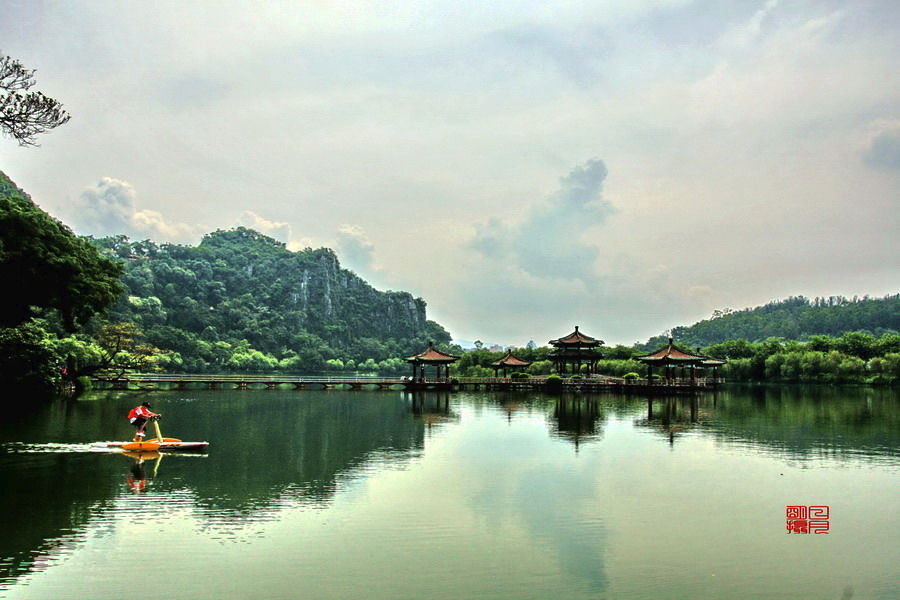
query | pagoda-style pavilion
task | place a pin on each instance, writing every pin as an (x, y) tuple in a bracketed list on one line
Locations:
[(575, 350), (714, 364), (432, 357), (672, 357), (509, 362)]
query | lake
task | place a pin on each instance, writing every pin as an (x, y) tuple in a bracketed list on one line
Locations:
[(386, 494)]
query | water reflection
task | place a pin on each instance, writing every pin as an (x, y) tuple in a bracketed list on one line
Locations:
[(673, 416), (432, 407), (577, 419), (136, 480), (280, 451)]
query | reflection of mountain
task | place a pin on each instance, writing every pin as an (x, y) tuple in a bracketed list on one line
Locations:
[(577, 419), (45, 497), (266, 449), (299, 443)]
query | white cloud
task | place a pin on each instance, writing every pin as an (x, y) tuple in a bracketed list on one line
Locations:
[(355, 250), (279, 230), (751, 146), (109, 207), (551, 242), (882, 150)]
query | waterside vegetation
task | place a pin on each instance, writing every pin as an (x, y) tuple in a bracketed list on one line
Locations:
[(241, 302)]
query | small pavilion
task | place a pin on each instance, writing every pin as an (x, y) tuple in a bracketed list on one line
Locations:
[(432, 357), (714, 364), (672, 357), (509, 362), (575, 350)]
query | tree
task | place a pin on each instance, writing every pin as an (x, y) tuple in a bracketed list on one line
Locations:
[(24, 114), (122, 351), (46, 266), (27, 359)]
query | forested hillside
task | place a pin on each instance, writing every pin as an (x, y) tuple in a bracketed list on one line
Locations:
[(796, 318), (241, 300)]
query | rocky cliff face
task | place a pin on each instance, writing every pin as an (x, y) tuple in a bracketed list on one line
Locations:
[(243, 285)]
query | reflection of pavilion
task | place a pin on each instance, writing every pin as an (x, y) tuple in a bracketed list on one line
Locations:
[(577, 419), (672, 416), (676, 362), (433, 407)]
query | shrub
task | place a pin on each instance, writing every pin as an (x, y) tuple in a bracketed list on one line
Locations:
[(631, 375), (83, 384), (554, 383)]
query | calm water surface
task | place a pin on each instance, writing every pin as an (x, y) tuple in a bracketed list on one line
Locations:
[(339, 494)]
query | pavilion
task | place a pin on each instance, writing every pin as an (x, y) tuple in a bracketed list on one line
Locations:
[(509, 362), (575, 350), (432, 357), (672, 357)]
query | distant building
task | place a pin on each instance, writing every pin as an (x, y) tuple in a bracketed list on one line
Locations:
[(531, 345)]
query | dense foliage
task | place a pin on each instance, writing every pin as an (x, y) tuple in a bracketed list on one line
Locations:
[(241, 301), (55, 283), (851, 358), (796, 318), (47, 267)]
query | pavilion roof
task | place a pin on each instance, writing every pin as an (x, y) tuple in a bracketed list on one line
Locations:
[(713, 362), (510, 361), (576, 338), (574, 352), (673, 354), (431, 355)]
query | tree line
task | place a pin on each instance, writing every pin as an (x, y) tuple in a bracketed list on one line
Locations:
[(854, 357)]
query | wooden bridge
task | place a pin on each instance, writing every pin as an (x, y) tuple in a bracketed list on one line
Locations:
[(149, 381), (243, 382)]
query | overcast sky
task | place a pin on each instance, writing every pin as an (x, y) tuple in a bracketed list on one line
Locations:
[(623, 165)]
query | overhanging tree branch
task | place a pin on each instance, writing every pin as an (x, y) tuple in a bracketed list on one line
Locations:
[(24, 114)]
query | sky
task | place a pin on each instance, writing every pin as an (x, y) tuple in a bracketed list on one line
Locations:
[(626, 166)]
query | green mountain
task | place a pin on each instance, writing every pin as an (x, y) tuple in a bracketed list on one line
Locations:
[(796, 318), (240, 292)]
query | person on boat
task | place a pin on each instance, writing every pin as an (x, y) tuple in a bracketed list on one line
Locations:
[(139, 416)]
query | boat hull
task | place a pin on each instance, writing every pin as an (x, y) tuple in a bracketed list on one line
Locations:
[(151, 446)]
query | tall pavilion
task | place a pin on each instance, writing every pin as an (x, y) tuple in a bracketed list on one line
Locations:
[(575, 350), (431, 356)]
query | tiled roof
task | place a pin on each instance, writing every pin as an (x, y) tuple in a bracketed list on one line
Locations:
[(672, 353), (510, 361), (432, 355), (573, 353), (576, 338)]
